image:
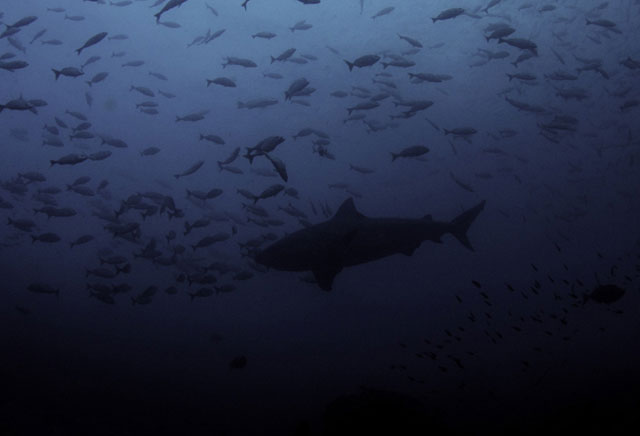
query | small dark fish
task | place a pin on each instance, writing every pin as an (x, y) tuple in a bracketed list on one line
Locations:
[(238, 362), (168, 6), (605, 294), (363, 61), (92, 41)]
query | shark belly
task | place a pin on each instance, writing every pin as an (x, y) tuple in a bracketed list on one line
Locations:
[(379, 238)]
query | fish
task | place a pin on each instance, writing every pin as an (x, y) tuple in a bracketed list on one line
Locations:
[(247, 63), (257, 103), (22, 22), (604, 294), (301, 25), (264, 35), (412, 151), (13, 65), (196, 116), (212, 138), (38, 35), (284, 55), (159, 76), (363, 106), (412, 41), (363, 61), (82, 240), (222, 81), (45, 237), (192, 169), (136, 63), (521, 43), (240, 361), (170, 24), (296, 87), (68, 72), (91, 60), (213, 11), (92, 41), (463, 185), (279, 166), (448, 14), (69, 159), (168, 6), (99, 77), (351, 238), (18, 104), (383, 11), (42, 288)]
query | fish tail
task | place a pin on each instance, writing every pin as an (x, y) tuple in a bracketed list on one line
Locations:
[(56, 72), (394, 156), (273, 59), (349, 64), (446, 132), (459, 226), (89, 82), (78, 51)]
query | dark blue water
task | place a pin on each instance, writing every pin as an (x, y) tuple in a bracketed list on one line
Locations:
[(537, 328)]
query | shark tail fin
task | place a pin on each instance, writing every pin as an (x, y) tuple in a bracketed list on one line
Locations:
[(460, 224)]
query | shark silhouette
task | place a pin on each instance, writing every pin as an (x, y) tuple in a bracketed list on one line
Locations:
[(351, 238)]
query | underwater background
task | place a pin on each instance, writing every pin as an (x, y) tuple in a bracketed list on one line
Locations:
[(151, 149)]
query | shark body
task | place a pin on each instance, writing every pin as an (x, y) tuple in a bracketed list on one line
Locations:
[(351, 238)]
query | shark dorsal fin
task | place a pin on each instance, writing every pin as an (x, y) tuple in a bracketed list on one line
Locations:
[(347, 210)]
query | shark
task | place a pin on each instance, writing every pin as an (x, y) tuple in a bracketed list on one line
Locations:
[(350, 238)]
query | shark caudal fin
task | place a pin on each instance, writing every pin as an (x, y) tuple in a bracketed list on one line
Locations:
[(460, 224)]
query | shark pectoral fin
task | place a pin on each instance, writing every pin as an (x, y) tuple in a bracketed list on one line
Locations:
[(324, 277)]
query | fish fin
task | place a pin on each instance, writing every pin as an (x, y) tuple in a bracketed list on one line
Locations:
[(347, 210), (325, 275), (459, 226), (349, 64)]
